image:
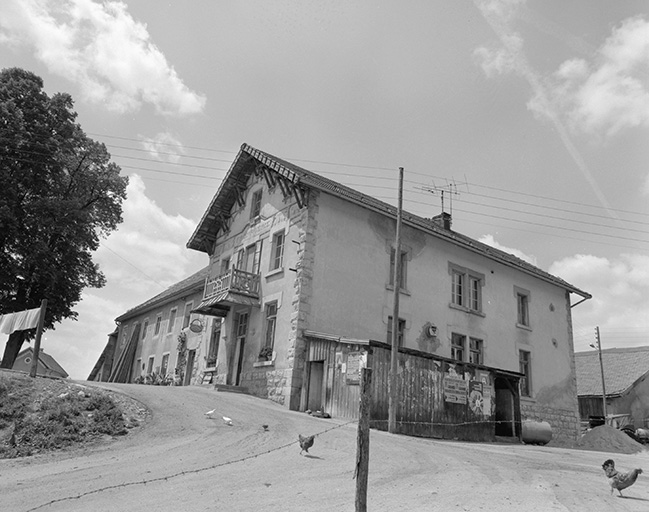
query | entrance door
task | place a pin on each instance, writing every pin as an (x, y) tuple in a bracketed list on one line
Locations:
[(505, 408), (189, 367), (316, 376), (236, 363)]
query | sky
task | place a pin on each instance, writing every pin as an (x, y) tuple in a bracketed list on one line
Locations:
[(528, 119)]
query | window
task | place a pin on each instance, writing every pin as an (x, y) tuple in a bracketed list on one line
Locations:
[(145, 328), (215, 339), (457, 290), (475, 351), (248, 258), (524, 359), (404, 267), (523, 307), (400, 335), (458, 342), (255, 207), (225, 265), (188, 314), (466, 288), (158, 321), (165, 364), (172, 320), (149, 369), (271, 322), (277, 254)]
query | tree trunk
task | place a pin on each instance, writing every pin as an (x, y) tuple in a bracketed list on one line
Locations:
[(12, 348)]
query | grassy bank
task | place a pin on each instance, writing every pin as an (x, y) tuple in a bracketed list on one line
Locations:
[(40, 415)]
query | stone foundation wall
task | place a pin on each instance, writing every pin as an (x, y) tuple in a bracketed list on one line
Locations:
[(564, 422), (267, 383)]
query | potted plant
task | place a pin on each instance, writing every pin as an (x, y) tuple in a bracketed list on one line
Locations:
[(266, 354)]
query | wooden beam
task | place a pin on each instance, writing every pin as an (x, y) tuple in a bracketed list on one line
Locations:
[(270, 179), (284, 186), (301, 196)]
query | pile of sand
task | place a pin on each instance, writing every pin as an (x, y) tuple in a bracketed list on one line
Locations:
[(608, 439)]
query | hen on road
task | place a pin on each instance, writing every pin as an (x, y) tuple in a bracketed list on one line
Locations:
[(617, 480), (305, 442)]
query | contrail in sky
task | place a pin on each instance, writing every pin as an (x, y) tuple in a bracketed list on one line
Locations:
[(494, 12)]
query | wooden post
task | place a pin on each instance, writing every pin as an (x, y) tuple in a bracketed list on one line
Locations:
[(394, 354), (363, 441), (601, 367), (37, 342)]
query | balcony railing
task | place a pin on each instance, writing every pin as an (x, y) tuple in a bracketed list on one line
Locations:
[(234, 280)]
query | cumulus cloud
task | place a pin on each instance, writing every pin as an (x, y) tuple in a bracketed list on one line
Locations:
[(148, 252), (620, 290), (102, 49), (611, 92), (164, 147), (491, 241)]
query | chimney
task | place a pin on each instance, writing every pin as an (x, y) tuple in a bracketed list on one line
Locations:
[(443, 220)]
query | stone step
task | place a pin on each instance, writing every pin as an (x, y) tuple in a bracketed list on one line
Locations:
[(230, 389)]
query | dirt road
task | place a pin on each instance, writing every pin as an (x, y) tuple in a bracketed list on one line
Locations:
[(183, 461)]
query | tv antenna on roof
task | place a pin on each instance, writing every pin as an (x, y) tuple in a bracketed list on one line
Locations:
[(450, 189)]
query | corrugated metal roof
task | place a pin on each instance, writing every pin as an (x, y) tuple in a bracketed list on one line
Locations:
[(622, 368), (195, 281), (245, 163)]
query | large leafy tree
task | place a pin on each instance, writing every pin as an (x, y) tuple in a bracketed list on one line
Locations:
[(59, 195)]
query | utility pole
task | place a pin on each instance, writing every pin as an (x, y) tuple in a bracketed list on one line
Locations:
[(363, 441), (37, 343), (394, 353), (601, 367)]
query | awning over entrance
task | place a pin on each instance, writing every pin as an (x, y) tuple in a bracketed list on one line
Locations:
[(220, 304)]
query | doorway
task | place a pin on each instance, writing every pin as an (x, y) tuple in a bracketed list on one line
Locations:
[(236, 362), (507, 407), (189, 367), (316, 375)]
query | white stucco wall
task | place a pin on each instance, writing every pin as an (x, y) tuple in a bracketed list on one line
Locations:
[(352, 299)]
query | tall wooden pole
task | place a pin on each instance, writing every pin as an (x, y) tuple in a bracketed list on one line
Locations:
[(394, 353), (363, 441), (37, 342), (601, 367)]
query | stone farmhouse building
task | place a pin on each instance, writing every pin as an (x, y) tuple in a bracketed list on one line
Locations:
[(298, 294)]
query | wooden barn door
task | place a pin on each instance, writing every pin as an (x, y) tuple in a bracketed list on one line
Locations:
[(316, 380)]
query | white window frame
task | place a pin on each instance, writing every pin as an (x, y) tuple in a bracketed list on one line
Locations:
[(271, 324), (403, 285), (158, 325), (458, 350), (255, 203), (523, 299), (165, 359), (172, 320), (277, 250), (473, 351), (525, 367), (466, 289), (401, 327)]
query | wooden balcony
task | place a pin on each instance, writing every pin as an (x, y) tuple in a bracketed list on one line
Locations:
[(233, 281)]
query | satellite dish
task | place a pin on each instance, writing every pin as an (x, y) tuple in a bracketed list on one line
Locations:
[(196, 326)]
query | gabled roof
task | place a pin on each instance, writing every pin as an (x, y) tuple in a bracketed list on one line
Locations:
[(622, 368), (46, 360), (194, 282), (249, 158)]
